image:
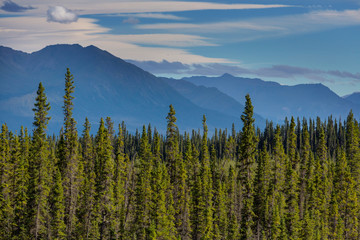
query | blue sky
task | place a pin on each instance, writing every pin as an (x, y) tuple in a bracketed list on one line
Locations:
[(286, 41)]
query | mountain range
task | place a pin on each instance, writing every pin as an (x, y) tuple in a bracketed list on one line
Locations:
[(106, 85), (275, 102)]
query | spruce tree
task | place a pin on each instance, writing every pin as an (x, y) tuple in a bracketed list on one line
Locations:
[(345, 198), (143, 193), (21, 185), (104, 181), (87, 227), (246, 164), (291, 189), (39, 170), (206, 207), (262, 182), (71, 174), (161, 209), (6, 209), (353, 147), (120, 178), (57, 208)]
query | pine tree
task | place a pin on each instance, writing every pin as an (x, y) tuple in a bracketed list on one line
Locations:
[(291, 189), (345, 197), (305, 169), (319, 193), (120, 178), (246, 163), (40, 170), (262, 183), (206, 195), (21, 182), (143, 193), (71, 174), (57, 208), (87, 209), (353, 147), (104, 181), (6, 209), (161, 212), (233, 226), (178, 176)]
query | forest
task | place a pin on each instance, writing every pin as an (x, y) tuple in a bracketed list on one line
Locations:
[(299, 180)]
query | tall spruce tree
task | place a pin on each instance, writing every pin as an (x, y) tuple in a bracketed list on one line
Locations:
[(246, 164), (71, 175), (291, 190), (206, 207), (40, 170)]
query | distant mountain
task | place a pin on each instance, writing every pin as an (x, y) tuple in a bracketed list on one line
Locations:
[(211, 98), (354, 98), (274, 101), (104, 86)]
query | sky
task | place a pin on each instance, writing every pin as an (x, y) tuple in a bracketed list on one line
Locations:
[(287, 41)]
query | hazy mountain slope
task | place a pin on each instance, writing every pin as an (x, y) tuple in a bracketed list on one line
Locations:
[(104, 86), (274, 101), (354, 98), (211, 98)]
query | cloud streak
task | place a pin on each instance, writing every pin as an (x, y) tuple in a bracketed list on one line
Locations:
[(21, 34), (275, 71), (256, 28), (166, 6), (61, 15), (153, 16)]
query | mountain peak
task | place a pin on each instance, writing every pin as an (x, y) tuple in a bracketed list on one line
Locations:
[(226, 75)]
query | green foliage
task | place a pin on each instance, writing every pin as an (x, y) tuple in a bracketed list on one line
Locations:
[(296, 181)]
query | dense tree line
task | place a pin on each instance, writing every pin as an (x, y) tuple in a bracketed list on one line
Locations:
[(295, 181)]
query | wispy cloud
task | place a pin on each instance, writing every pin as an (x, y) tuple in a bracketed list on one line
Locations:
[(21, 34), (165, 6), (131, 20), (153, 16), (255, 28), (61, 15), (171, 40), (10, 6), (275, 71)]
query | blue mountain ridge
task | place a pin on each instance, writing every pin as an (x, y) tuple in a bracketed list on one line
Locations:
[(275, 102), (105, 85)]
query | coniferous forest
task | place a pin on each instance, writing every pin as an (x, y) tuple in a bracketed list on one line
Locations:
[(299, 180)]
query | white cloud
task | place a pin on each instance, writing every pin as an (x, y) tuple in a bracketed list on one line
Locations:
[(22, 35), (61, 15)]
